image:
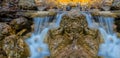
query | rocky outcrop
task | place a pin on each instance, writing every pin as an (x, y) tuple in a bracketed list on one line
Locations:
[(12, 36), (15, 47), (73, 39)]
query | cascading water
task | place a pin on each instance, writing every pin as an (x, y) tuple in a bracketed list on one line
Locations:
[(38, 48), (90, 20), (111, 46)]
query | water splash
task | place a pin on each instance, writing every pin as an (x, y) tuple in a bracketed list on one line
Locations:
[(38, 48), (110, 47)]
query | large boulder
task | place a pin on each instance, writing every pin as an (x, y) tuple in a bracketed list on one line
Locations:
[(73, 39)]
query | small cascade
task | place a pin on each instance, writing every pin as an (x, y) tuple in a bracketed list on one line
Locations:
[(38, 48), (90, 21), (110, 48)]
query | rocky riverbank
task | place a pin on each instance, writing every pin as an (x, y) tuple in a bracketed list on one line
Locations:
[(73, 39)]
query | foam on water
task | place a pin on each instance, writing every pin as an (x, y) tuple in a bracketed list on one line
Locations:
[(38, 48), (111, 46)]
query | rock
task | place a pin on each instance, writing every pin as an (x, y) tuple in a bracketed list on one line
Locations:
[(39, 4), (107, 4), (5, 19), (73, 39), (7, 16), (68, 8), (76, 13), (4, 30), (114, 14), (116, 5), (9, 5), (15, 47), (33, 14), (27, 4), (19, 23), (2, 53)]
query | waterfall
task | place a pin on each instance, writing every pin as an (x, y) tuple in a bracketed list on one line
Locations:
[(110, 48), (90, 20), (38, 48)]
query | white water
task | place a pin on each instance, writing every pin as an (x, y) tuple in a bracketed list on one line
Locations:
[(111, 46), (38, 48)]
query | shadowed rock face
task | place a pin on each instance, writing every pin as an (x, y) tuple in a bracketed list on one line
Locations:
[(117, 25)]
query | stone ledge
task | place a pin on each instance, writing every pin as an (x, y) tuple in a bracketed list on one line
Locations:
[(33, 14), (114, 14)]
